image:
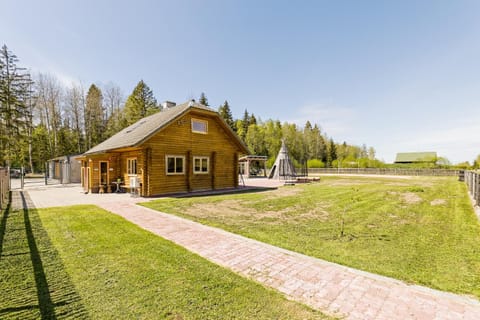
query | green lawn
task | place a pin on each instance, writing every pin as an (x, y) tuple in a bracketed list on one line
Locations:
[(83, 262), (422, 230)]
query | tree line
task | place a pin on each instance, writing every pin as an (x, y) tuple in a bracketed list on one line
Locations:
[(41, 119), (307, 145)]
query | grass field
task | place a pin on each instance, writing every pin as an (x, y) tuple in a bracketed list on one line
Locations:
[(421, 230), (82, 262)]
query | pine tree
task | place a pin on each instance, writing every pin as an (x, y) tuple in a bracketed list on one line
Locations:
[(203, 99), (226, 114), (331, 153), (244, 125), (94, 120), (140, 103), (309, 138), (252, 120), (14, 112)]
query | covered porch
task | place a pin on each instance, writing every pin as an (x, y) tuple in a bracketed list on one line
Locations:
[(253, 166), (112, 172)]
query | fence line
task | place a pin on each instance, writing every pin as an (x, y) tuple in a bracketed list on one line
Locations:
[(386, 171), (4, 187), (472, 179)]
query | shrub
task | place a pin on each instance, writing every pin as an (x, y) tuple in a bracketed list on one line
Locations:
[(315, 163)]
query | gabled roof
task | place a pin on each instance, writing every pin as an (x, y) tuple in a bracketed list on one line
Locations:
[(144, 128), (408, 157), (65, 157)]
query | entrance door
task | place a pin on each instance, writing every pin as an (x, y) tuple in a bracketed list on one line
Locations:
[(85, 178), (103, 173)]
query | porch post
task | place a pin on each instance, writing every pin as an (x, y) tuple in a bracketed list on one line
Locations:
[(189, 170), (235, 170), (213, 168)]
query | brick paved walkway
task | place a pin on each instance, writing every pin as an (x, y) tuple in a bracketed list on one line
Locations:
[(329, 287)]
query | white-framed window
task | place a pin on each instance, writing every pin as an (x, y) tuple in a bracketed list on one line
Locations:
[(131, 166), (199, 126), (200, 165), (175, 164)]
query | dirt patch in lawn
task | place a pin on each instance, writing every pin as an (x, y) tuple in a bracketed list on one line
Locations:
[(348, 182), (424, 184), (398, 184), (408, 197), (234, 208), (227, 208), (286, 191), (438, 202), (411, 197)]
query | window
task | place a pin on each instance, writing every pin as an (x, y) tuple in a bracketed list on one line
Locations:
[(199, 126), (200, 164), (175, 164), (132, 165)]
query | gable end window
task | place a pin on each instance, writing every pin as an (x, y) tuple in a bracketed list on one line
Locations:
[(199, 126), (132, 166), (200, 165), (175, 164)]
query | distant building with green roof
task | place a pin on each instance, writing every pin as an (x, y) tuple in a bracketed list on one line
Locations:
[(416, 157)]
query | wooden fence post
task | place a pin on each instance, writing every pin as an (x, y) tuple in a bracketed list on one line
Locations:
[(477, 190)]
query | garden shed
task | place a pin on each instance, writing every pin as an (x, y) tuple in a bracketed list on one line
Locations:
[(66, 169)]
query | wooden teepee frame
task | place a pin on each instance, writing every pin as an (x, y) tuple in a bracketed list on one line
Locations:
[(283, 169)]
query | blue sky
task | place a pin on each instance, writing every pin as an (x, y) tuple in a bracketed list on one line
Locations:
[(396, 75)]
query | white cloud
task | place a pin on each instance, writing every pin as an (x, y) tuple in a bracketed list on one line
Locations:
[(64, 79), (39, 62)]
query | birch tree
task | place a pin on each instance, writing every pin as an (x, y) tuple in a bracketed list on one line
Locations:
[(75, 104), (49, 95), (113, 101)]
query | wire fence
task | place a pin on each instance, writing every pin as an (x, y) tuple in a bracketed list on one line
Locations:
[(4, 187), (386, 171), (472, 179)]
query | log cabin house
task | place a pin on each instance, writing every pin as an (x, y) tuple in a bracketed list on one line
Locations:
[(183, 148)]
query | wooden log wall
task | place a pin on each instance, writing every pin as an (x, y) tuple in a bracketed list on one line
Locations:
[(178, 140)]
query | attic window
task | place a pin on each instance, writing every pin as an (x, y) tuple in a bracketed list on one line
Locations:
[(199, 126)]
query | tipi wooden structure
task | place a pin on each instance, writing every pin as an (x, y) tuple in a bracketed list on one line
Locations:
[(283, 169)]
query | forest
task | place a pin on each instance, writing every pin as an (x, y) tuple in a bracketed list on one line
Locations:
[(41, 119)]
